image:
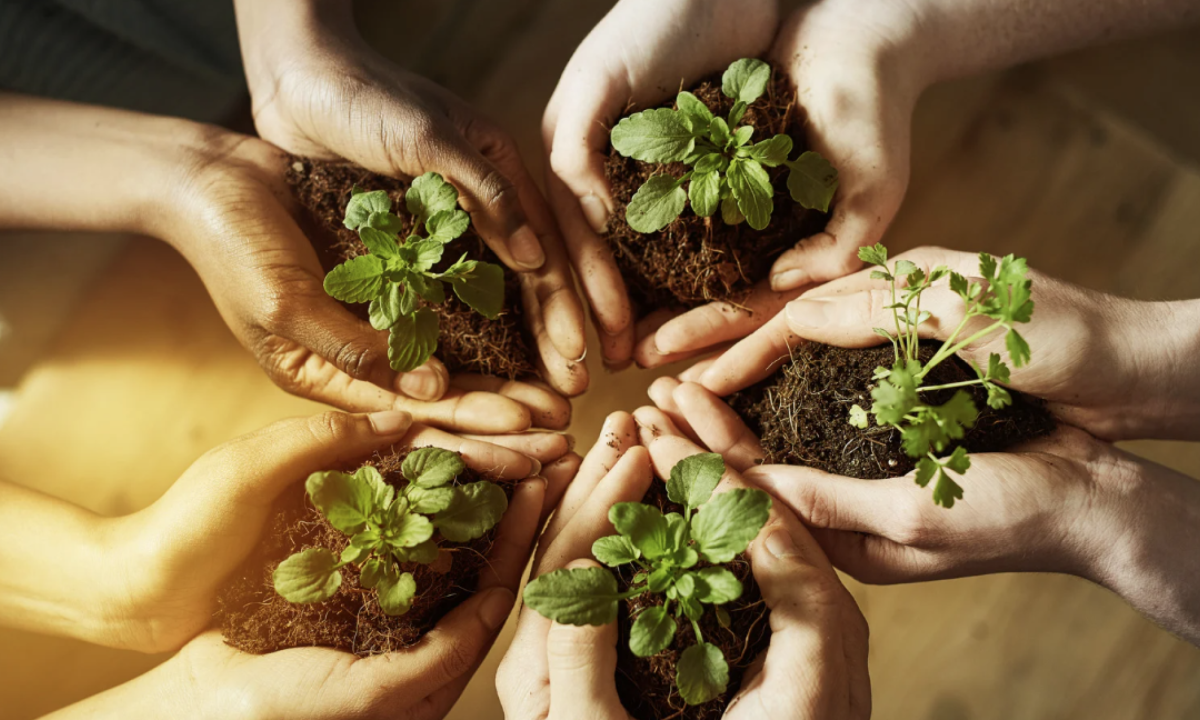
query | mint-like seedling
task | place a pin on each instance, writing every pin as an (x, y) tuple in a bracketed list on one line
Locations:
[(727, 169), (666, 549), (387, 527), (397, 278), (926, 430)]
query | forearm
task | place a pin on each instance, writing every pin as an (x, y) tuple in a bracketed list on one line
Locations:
[(162, 692), (1161, 342), (270, 32), (80, 167), (963, 37), (56, 566)]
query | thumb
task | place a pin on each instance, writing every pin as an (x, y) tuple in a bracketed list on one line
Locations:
[(583, 666), (850, 320)]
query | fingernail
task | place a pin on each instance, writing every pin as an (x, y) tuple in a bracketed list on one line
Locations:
[(536, 466), (808, 313), (494, 609), (424, 383), (390, 422), (570, 441), (788, 280), (595, 212), (780, 544), (526, 249)]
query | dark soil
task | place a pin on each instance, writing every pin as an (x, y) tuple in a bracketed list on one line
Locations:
[(255, 619), (469, 342), (647, 685), (801, 413), (696, 260)]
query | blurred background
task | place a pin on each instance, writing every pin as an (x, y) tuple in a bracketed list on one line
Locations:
[(116, 371)]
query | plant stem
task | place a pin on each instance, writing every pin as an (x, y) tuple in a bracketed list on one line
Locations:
[(947, 386), (944, 353), (632, 593), (696, 629)]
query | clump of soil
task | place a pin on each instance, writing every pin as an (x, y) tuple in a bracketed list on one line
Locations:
[(647, 685), (801, 413), (696, 260), (255, 619), (469, 342)]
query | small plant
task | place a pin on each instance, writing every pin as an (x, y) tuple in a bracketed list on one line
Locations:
[(387, 527), (925, 429), (726, 169), (397, 278), (666, 549)]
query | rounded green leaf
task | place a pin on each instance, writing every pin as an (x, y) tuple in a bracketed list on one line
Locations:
[(390, 305), (746, 79), (424, 553), (482, 289), (704, 192), (752, 189), (652, 632), (615, 550), (353, 553), (431, 467), (812, 181), (373, 571), (307, 577), (771, 152), (582, 596), (655, 136), (644, 525), (694, 478), (364, 204), (383, 492), (702, 673), (717, 585), (428, 501), (429, 195), (475, 509), (655, 204), (396, 593), (407, 529), (447, 225), (357, 280), (379, 242), (726, 524), (413, 340), (685, 585), (694, 109), (347, 501)]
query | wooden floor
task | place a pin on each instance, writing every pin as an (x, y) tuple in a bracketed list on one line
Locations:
[(1094, 181)]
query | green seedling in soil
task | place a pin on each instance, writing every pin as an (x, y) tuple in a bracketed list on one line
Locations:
[(727, 169), (397, 278), (1002, 301), (387, 527), (666, 549)]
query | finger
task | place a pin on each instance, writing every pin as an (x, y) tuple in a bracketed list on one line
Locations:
[(546, 408), (879, 561), (645, 352), (825, 500), (575, 132), (926, 258), (558, 475), (718, 427), (720, 322), (755, 358), (660, 393), (850, 320), (693, 373), (514, 537), (483, 457), (618, 434), (567, 375), (583, 663), (654, 424), (545, 447)]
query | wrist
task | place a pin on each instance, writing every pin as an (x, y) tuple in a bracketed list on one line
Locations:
[(1160, 342)]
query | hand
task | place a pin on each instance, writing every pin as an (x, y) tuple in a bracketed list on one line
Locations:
[(639, 53), (1111, 366), (319, 91), (815, 666), (233, 222)]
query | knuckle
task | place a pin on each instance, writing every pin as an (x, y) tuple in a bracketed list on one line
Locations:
[(330, 426), (909, 526), (455, 660), (359, 361), (496, 192), (874, 307)]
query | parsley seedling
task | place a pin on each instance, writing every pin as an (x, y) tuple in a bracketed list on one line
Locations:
[(666, 549), (398, 278), (727, 170), (925, 430), (387, 527)]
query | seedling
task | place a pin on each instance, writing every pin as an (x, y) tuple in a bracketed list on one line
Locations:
[(387, 527), (927, 430), (727, 170), (666, 549), (397, 278)]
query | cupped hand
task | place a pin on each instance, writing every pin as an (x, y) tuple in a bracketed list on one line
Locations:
[(233, 221), (640, 54), (177, 553), (815, 666), (322, 92)]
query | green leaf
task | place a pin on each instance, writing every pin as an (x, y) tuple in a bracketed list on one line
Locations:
[(730, 212), (379, 242), (946, 491), (959, 461), (362, 205), (704, 192), (482, 289), (353, 553), (582, 596), (702, 673), (307, 577), (987, 267), (895, 396), (373, 571), (431, 289), (772, 152), (812, 181), (1018, 349), (368, 539), (615, 550), (875, 254), (428, 501), (726, 524), (357, 280), (742, 135), (858, 417), (997, 370), (655, 204), (432, 467), (752, 189), (406, 529), (997, 397), (652, 632), (685, 585), (421, 255), (660, 135), (644, 525), (718, 130), (388, 307), (413, 340), (904, 268), (717, 585), (387, 223), (694, 478), (737, 112), (960, 286), (746, 79), (710, 163), (476, 508), (347, 501), (927, 467), (381, 490), (396, 594), (429, 195), (447, 225), (660, 579), (424, 553), (694, 110)]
